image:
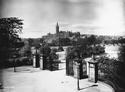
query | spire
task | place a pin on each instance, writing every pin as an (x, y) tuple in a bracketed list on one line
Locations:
[(57, 28), (57, 24)]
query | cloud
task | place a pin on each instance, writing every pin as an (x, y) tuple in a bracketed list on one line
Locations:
[(40, 16), (110, 18), (1, 7), (84, 28)]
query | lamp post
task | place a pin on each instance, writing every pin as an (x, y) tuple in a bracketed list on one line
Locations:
[(76, 61), (14, 64), (78, 75)]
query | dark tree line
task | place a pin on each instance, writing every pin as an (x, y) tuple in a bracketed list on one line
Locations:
[(85, 47)]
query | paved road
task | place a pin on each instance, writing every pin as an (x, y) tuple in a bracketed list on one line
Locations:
[(28, 79)]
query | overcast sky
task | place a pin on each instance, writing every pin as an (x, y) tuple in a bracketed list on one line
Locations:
[(86, 16)]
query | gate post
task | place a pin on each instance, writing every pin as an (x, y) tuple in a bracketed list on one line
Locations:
[(41, 63), (93, 71), (34, 61)]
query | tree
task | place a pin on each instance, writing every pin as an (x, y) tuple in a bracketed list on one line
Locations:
[(64, 41), (9, 36), (92, 40), (121, 57), (30, 42), (121, 40), (45, 51), (86, 47)]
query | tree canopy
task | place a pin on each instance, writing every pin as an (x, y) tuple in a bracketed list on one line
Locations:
[(10, 28)]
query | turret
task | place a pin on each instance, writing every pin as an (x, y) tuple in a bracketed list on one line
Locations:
[(57, 28)]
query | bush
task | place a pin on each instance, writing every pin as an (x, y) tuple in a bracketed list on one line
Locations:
[(54, 50), (121, 58), (60, 48), (111, 70), (53, 56), (72, 53), (98, 50), (20, 61), (107, 65), (45, 50), (24, 61)]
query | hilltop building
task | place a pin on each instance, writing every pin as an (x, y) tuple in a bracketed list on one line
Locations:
[(59, 34)]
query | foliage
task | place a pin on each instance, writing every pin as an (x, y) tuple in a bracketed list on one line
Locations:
[(121, 40), (70, 53), (45, 50), (24, 61), (84, 52), (30, 41), (54, 50), (87, 41), (61, 41), (9, 36), (114, 70), (53, 55), (34, 42), (121, 57), (121, 68), (109, 67), (28, 52), (60, 48), (19, 61), (9, 28), (65, 41), (86, 47)]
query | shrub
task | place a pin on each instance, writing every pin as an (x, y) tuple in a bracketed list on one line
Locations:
[(54, 50), (45, 50), (25, 61), (60, 48), (113, 73), (53, 56)]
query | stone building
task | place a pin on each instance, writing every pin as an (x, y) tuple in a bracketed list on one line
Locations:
[(59, 34)]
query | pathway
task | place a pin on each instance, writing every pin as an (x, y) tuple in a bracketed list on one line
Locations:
[(28, 79)]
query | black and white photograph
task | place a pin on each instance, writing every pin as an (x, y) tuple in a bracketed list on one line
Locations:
[(62, 45)]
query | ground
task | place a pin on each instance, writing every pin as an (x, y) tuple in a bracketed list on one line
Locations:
[(29, 79)]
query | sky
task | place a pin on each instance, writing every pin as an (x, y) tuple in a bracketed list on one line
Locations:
[(101, 17)]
